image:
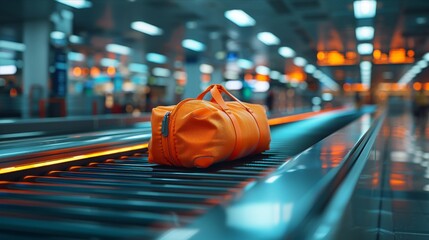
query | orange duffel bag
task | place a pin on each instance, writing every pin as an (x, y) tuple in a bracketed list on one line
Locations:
[(199, 133)]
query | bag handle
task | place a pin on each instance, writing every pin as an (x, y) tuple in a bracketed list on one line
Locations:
[(216, 91)]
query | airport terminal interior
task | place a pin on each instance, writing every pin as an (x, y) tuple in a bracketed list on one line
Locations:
[(345, 88)]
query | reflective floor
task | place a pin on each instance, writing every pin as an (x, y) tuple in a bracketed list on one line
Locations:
[(405, 192)]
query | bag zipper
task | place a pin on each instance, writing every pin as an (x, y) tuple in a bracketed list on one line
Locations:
[(165, 129), (164, 132)]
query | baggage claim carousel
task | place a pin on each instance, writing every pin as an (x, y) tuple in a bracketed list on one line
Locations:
[(101, 186)]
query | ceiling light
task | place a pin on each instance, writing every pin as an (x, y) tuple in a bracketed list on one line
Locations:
[(7, 55), (161, 72), (15, 46), (365, 65), (76, 3), (240, 18), (262, 70), (75, 39), (137, 67), (268, 38), (57, 35), (422, 63), (118, 49), (146, 28), (8, 70), (364, 33), (286, 52), (234, 85), (75, 56), (365, 48), (108, 62), (156, 58), (275, 75), (244, 63), (425, 57), (193, 45), (309, 68), (299, 61), (364, 8), (205, 68)]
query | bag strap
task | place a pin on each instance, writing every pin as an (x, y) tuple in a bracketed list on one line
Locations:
[(216, 91)]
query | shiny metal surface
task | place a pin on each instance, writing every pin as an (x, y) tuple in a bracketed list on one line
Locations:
[(279, 205)]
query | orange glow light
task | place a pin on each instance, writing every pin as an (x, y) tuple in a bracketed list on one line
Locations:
[(94, 72), (70, 159), (302, 116), (335, 58), (376, 54), (13, 92), (347, 87), (297, 76), (320, 56), (77, 71), (397, 55), (351, 55), (410, 53), (248, 76), (261, 77), (417, 86), (205, 78), (111, 71), (426, 86)]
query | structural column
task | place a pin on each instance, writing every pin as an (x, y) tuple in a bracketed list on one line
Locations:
[(36, 66)]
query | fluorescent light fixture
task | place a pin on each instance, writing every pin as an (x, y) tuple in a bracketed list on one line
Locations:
[(364, 8), (15, 46), (57, 35), (118, 49), (76, 3), (415, 70), (161, 72), (262, 70), (327, 97), (422, 63), (156, 58), (7, 55), (108, 62), (75, 56), (299, 61), (365, 48), (146, 28), (365, 65), (205, 68), (275, 75), (260, 86), (75, 39), (286, 52), (244, 63), (317, 74), (268, 38), (8, 70), (193, 45), (240, 18), (425, 57), (234, 85), (310, 69), (364, 33), (137, 67)]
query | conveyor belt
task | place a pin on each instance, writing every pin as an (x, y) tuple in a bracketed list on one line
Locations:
[(129, 198)]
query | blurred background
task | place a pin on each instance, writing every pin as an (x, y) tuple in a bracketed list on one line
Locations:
[(91, 57)]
